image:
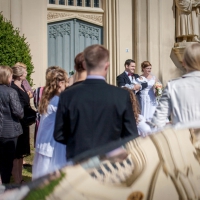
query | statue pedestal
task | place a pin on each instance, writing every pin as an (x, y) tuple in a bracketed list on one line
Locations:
[(179, 49)]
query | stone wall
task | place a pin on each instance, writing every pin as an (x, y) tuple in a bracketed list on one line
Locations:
[(31, 19), (138, 29)]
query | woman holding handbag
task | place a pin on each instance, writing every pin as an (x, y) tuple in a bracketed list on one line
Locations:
[(23, 143)]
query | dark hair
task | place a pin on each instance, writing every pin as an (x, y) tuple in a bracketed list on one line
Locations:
[(145, 64), (94, 55), (128, 62), (78, 61), (135, 104)]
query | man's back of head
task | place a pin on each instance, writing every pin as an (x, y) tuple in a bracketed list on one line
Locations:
[(96, 57)]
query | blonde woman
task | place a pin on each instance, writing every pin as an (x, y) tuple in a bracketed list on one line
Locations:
[(23, 143), (181, 97), (11, 112), (25, 83), (49, 154)]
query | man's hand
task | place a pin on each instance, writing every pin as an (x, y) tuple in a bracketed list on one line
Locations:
[(137, 87)]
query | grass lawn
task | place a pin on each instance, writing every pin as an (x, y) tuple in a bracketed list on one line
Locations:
[(27, 170)]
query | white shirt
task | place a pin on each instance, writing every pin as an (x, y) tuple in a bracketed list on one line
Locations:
[(132, 78)]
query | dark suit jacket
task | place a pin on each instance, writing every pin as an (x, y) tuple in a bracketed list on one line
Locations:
[(123, 79), (10, 112), (93, 118)]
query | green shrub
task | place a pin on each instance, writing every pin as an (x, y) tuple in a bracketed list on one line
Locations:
[(13, 47)]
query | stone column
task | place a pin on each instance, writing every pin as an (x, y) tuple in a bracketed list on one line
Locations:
[(34, 26), (117, 35), (155, 37), (110, 36)]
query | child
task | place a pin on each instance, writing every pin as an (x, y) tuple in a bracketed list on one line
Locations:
[(37, 95), (49, 154), (143, 128), (139, 80)]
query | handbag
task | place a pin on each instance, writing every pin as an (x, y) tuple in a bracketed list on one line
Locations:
[(29, 116)]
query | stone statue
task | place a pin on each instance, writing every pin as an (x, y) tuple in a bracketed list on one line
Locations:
[(187, 20)]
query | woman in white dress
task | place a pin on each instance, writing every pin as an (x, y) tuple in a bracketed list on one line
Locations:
[(148, 97), (49, 154)]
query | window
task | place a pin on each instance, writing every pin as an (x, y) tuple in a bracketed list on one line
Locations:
[(52, 1), (62, 2), (79, 2), (70, 2), (96, 3), (87, 3)]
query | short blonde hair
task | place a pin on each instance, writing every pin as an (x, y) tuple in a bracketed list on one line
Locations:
[(18, 71), (5, 73), (21, 65), (191, 57)]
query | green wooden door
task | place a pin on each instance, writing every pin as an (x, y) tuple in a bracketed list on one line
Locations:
[(68, 38)]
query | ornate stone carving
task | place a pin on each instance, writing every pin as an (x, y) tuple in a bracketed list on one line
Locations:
[(92, 17), (88, 31), (55, 15), (59, 29)]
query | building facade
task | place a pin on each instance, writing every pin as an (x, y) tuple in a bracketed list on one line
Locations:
[(59, 29)]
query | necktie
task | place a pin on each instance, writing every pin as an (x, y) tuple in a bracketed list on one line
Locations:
[(129, 74)]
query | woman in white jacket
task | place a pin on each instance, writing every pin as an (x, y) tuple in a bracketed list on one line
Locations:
[(181, 97)]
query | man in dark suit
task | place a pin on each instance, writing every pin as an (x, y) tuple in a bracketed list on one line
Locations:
[(94, 117), (127, 78)]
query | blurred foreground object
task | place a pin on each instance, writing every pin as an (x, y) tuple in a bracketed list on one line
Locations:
[(165, 165)]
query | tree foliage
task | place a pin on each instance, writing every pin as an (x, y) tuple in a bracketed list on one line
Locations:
[(13, 47)]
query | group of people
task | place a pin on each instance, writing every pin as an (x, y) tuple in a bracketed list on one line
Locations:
[(142, 86), (90, 117), (14, 133)]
